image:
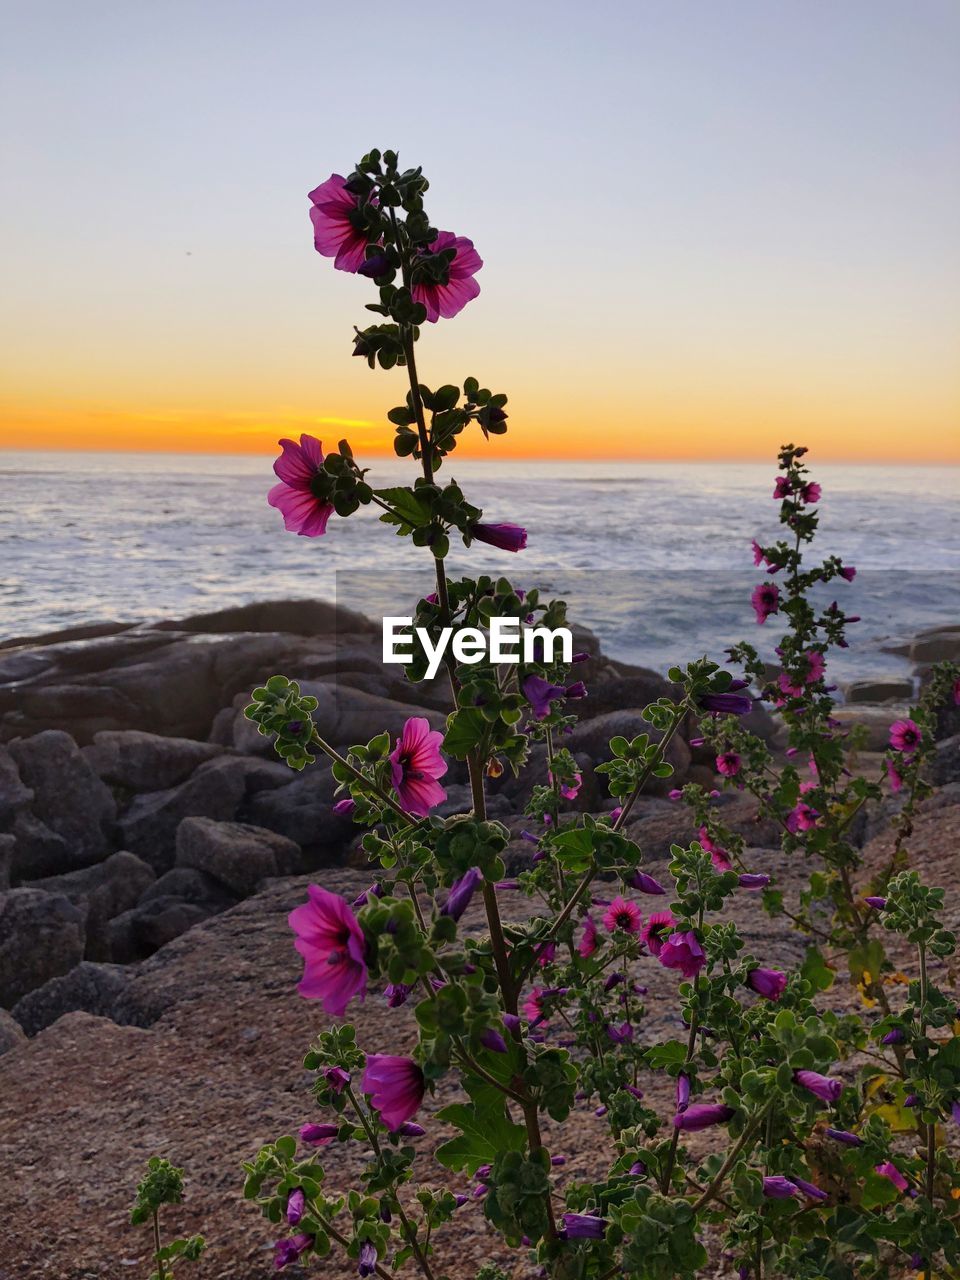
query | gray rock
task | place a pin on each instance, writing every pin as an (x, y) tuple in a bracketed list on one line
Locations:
[(89, 988), (941, 644), (14, 796), (884, 689), (11, 1032), (191, 886), (38, 851), (945, 765), (107, 889), (145, 761), (8, 845), (303, 812), (238, 856), (149, 826), (67, 794), (622, 693), (138, 933), (41, 936), (258, 774)]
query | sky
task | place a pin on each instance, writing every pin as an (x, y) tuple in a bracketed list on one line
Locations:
[(707, 227)]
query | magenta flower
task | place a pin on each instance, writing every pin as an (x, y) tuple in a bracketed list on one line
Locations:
[(683, 951), (765, 599), (335, 234), (298, 467), (508, 537), (811, 492), (395, 1086), (728, 763), (646, 884), (623, 915), (622, 1034), (878, 903), (659, 923), (345, 808), (333, 948), (718, 856), (889, 1170), (533, 1009), (448, 299), (396, 994), (823, 1087), (337, 1078), (778, 1188), (540, 693), (415, 766), (754, 880), (683, 1092), (848, 572), (769, 983), (701, 1115), (801, 818), (289, 1250), (905, 736), (458, 899), (318, 1135), (782, 487), (588, 939), (296, 1205), (894, 777)]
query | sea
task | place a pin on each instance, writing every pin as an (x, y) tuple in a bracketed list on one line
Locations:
[(653, 557)]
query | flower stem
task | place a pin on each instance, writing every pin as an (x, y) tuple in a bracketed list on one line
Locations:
[(156, 1242)]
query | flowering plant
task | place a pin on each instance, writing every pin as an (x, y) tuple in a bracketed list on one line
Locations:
[(821, 1152)]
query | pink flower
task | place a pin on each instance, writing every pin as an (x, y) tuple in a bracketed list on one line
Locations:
[(415, 766), (814, 663), (765, 600), (801, 818), (334, 234), (624, 915), (719, 857), (781, 488), (683, 951), (811, 492), (588, 940), (448, 299), (395, 1086), (728, 763), (769, 983), (889, 1170), (289, 1250), (533, 1008), (905, 736), (758, 555), (298, 467), (894, 776), (701, 1115), (659, 923), (334, 950)]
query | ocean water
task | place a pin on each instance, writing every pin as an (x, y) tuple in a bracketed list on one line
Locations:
[(655, 557)]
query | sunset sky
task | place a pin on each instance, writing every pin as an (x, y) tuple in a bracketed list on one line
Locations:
[(707, 227)]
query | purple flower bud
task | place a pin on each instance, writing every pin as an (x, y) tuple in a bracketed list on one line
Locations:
[(459, 896), (890, 1170), (512, 1023), (637, 1169), (613, 980), (337, 1078), (493, 1040), (683, 1092), (318, 1135), (583, 656), (754, 880), (845, 1136), (769, 983), (504, 886), (345, 808), (296, 1204), (367, 1261), (646, 884), (483, 1173), (577, 690), (896, 1036), (675, 794), (396, 994), (583, 1226), (778, 1188), (461, 1200), (558, 1161), (480, 1191), (912, 1100), (372, 267), (878, 904), (620, 1035), (825, 1088), (729, 704), (600, 1112), (410, 1129), (633, 1090), (701, 1115), (808, 1189), (507, 537), (375, 891), (287, 1251), (529, 837)]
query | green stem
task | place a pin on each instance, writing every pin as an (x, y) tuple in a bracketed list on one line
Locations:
[(156, 1244), (675, 1140)]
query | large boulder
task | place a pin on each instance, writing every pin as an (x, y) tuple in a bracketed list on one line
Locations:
[(237, 855), (42, 935), (146, 928), (91, 988), (145, 761), (303, 812), (622, 693), (11, 1033), (67, 794), (14, 796), (149, 826), (37, 851), (195, 887), (945, 765), (106, 890), (881, 689), (940, 644), (872, 722)]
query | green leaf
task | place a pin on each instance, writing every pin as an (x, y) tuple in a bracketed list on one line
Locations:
[(412, 509), (465, 729), (816, 970), (485, 1131)]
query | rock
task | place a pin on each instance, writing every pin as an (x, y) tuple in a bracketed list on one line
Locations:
[(90, 988), (874, 722), (38, 851), (945, 765), (41, 936), (295, 617), (238, 856), (191, 886), (107, 890), (886, 689), (8, 845), (145, 761), (622, 693), (593, 738), (14, 796), (69, 796), (146, 928), (149, 826), (258, 774), (657, 824), (11, 1032), (941, 644), (303, 812)]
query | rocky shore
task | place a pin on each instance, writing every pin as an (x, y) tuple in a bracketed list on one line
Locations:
[(150, 848)]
